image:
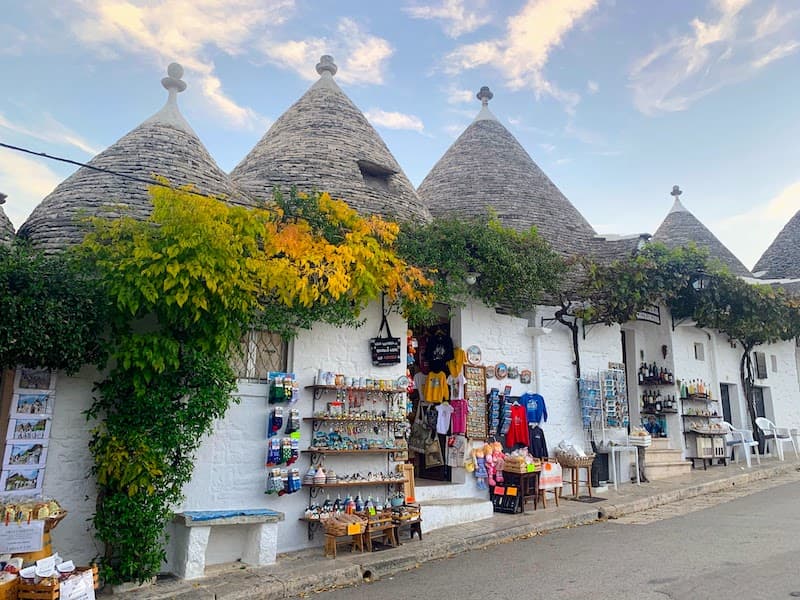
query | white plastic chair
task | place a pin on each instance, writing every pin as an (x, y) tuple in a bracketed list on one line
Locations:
[(777, 435), (743, 439)]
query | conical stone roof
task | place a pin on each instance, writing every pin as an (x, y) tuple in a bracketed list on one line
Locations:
[(323, 142), (6, 227), (487, 168), (680, 227), (782, 259), (163, 145)]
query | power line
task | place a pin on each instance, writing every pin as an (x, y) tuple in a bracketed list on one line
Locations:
[(99, 169)]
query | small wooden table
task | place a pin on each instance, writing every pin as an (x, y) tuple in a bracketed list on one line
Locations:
[(386, 531), (412, 525)]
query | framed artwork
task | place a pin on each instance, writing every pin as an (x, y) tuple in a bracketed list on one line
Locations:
[(474, 355), (25, 455), (490, 372), (21, 481), (36, 428), (500, 370), (513, 372), (525, 376), (32, 404), (27, 378)]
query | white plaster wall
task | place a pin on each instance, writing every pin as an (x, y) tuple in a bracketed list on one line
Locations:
[(783, 384), (67, 475)]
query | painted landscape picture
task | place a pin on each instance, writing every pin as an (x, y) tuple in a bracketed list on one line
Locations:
[(29, 429), (29, 455), (34, 379), (21, 480), (33, 404)]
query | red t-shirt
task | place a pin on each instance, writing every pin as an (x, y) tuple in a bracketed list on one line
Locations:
[(458, 422), (518, 431)]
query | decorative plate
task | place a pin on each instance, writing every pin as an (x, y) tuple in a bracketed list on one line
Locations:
[(500, 370), (525, 376), (474, 355), (513, 372), (402, 382), (490, 372)]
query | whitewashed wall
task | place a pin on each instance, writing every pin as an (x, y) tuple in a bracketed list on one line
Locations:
[(69, 463)]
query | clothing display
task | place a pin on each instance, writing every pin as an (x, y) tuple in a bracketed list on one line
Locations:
[(445, 411), (535, 406), (538, 443), (419, 384), (456, 383), (456, 365), (518, 426), (436, 388), (438, 351), (458, 423)]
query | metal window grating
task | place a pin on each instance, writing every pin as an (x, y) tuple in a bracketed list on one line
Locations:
[(260, 352)]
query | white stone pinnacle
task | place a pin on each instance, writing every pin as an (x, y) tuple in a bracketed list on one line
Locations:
[(326, 65), (170, 114), (484, 95)]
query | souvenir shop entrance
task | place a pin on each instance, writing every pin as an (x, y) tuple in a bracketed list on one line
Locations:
[(433, 354)]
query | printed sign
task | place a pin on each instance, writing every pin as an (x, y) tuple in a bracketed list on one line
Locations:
[(21, 537), (385, 351)]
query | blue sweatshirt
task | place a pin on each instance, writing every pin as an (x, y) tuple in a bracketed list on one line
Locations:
[(535, 407)]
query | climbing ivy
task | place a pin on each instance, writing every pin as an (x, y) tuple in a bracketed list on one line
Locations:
[(184, 286)]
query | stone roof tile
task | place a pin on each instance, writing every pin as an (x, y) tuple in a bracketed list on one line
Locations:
[(782, 259)]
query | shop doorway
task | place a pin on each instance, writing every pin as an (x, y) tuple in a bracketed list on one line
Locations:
[(427, 361), (758, 401), (725, 396)]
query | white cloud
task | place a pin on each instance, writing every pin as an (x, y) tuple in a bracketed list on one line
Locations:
[(362, 58), (50, 130), (727, 47), (394, 120), (12, 40), (26, 181), (459, 96), (187, 31), (748, 234), (457, 16), (522, 54), (547, 147), (592, 87)]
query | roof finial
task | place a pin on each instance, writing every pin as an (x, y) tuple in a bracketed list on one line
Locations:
[(676, 192), (3, 198), (326, 65), (174, 83), (485, 95)]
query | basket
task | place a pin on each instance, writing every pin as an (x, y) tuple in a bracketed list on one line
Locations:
[(51, 522), (335, 526), (566, 460), (43, 591), (8, 590)]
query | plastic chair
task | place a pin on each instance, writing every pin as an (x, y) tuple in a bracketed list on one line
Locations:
[(742, 438), (777, 435)]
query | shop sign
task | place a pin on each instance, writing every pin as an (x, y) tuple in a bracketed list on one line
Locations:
[(21, 537), (651, 314), (385, 351)]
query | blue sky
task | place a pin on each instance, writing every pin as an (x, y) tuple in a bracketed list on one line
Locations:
[(617, 100)]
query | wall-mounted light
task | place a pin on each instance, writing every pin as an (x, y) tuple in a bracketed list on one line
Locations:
[(471, 277), (701, 282)]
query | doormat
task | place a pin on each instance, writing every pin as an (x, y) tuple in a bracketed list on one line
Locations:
[(587, 499)]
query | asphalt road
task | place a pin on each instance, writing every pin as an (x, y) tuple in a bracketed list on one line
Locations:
[(743, 548)]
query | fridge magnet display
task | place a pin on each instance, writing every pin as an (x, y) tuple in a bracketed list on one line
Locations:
[(32, 404), (474, 355), (490, 372), (24, 454), (34, 379), (500, 370), (21, 481), (29, 429), (525, 376)]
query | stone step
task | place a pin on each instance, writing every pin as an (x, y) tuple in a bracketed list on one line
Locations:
[(660, 444), (655, 456), (667, 470), (454, 511)]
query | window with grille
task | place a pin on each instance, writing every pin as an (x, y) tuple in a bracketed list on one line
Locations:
[(260, 352)]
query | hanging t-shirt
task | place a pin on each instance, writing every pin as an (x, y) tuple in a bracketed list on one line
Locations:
[(456, 366), (443, 421), (438, 351), (457, 386), (535, 406), (458, 422), (436, 388), (518, 430)]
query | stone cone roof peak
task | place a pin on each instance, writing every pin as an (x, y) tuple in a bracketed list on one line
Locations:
[(680, 228), (486, 168), (782, 259), (163, 145), (324, 142)]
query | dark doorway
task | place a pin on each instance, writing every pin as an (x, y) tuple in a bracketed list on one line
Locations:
[(758, 401), (725, 394)]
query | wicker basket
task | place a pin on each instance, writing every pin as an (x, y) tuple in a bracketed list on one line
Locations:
[(333, 526), (8, 590), (566, 460), (51, 522)]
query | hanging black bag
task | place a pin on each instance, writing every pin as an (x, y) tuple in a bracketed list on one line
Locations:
[(385, 350)]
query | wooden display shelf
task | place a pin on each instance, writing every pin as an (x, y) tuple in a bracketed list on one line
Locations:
[(662, 412), (656, 383), (356, 389), (702, 416), (368, 451), (702, 397), (355, 483), (356, 419)]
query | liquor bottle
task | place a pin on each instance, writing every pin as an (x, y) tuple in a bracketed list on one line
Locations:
[(658, 406), (641, 375), (671, 377)]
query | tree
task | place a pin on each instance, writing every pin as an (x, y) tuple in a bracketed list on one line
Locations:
[(183, 287), (513, 269), (749, 314)]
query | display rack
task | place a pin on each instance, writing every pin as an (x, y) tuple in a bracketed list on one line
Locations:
[(370, 411), (702, 442)]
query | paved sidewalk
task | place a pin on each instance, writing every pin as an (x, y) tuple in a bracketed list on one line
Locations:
[(308, 571)]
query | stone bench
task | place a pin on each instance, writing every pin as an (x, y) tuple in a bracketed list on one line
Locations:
[(193, 528)]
